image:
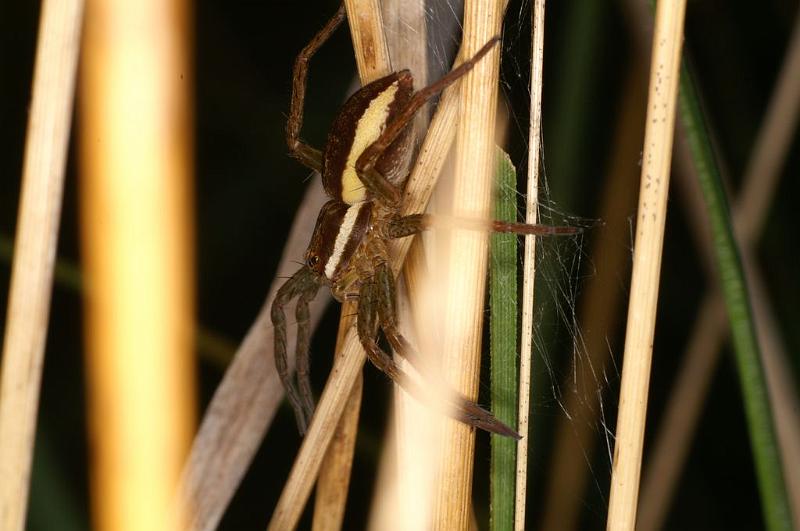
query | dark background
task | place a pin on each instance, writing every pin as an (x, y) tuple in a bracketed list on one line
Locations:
[(247, 189)]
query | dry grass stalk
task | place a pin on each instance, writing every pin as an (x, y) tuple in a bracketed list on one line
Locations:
[(651, 216), (529, 263), (334, 474), (34, 256), (466, 263), (405, 473), (365, 20), (136, 229), (671, 448), (759, 184)]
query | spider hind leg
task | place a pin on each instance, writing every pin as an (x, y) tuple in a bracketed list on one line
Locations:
[(377, 310)]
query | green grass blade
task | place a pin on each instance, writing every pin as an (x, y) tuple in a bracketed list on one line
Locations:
[(503, 346), (769, 474)]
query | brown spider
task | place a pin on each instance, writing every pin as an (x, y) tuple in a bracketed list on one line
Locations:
[(361, 164)]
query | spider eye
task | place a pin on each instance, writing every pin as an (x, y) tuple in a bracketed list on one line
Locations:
[(312, 261)]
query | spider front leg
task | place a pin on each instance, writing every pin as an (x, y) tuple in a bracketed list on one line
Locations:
[(416, 223), (304, 285), (302, 349), (306, 154)]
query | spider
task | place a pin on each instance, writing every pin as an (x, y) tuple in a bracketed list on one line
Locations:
[(361, 165)]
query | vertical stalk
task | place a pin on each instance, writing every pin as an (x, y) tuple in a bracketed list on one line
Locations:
[(503, 345), (35, 251), (137, 249), (650, 220), (467, 260), (531, 214), (774, 499)]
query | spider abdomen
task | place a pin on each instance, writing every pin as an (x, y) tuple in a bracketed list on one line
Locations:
[(360, 122), (337, 236)]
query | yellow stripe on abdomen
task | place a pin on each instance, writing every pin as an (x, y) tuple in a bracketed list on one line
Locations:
[(369, 128)]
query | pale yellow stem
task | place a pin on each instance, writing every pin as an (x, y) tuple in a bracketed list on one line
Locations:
[(137, 241), (35, 251), (529, 263), (466, 261), (650, 220)]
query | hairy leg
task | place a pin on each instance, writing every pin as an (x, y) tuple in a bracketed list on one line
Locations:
[(302, 349), (301, 282), (416, 223), (376, 308), (306, 154)]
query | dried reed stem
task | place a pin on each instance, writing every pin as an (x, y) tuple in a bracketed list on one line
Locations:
[(36, 240), (405, 479), (659, 130), (680, 420), (466, 263), (137, 236), (334, 474), (529, 263)]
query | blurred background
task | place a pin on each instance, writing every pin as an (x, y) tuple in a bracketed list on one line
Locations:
[(247, 190)]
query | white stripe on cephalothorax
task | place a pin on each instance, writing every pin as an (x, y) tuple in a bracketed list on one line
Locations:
[(369, 128), (348, 222)]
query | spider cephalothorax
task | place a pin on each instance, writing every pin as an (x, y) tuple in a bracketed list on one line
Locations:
[(363, 167)]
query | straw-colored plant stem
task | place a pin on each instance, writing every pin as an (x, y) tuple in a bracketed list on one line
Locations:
[(336, 467), (137, 243), (529, 262), (36, 241), (679, 421), (404, 480), (467, 259), (650, 219)]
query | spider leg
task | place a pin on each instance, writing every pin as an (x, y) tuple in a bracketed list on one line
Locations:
[(306, 154), (301, 283), (302, 348), (406, 226), (367, 328), (382, 300), (371, 154), (416, 223)]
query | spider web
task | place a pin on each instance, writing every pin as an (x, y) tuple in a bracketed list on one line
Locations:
[(572, 382)]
